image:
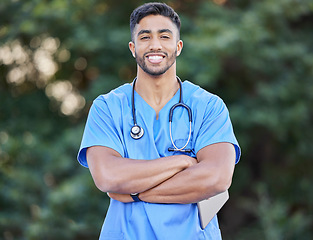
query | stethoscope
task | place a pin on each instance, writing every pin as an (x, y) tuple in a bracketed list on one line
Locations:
[(137, 132)]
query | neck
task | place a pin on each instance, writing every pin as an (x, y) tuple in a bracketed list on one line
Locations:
[(156, 90)]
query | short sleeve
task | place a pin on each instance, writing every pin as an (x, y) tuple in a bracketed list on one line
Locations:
[(216, 126), (100, 130)]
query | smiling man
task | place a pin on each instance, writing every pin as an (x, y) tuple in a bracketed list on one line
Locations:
[(159, 47), (156, 170)]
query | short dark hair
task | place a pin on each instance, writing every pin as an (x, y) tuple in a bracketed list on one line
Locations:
[(153, 8)]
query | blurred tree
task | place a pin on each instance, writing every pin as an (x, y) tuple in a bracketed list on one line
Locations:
[(57, 56), (258, 57)]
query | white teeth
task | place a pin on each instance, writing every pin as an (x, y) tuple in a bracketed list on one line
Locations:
[(155, 57)]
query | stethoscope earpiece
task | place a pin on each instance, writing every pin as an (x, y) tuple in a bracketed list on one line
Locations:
[(136, 132)]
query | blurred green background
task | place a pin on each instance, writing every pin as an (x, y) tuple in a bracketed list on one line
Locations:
[(56, 56)]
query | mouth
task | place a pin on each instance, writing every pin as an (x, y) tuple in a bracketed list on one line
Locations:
[(155, 58)]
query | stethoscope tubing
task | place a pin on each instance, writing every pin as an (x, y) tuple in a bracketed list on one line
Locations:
[(175, 147), (137, 132)]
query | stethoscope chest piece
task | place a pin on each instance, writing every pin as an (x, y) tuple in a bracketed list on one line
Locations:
[(136, 132)]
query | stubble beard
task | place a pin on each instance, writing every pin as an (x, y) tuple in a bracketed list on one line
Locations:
[(157, 72)]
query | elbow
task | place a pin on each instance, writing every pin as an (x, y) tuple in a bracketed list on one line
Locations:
[(223, 179), (107, 184), (222, 184), (103, 185), (102, 163), (217, 185)]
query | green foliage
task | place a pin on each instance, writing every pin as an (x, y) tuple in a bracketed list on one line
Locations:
[(57, 56)]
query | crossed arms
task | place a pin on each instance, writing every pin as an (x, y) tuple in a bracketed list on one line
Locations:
[(173, 179)]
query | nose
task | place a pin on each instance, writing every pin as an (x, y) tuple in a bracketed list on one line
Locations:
[(155, 44)]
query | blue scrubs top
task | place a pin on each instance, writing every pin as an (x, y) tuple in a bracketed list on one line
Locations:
[(109, 123)]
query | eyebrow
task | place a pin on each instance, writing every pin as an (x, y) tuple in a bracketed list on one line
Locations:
[(165, 31), (149, 31)]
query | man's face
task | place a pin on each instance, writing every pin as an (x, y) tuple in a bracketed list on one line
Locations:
[(156, 44)]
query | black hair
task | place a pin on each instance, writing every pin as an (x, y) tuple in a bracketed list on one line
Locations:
[(153, 8)]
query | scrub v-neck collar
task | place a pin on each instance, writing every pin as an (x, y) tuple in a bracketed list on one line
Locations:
[(147, 105)]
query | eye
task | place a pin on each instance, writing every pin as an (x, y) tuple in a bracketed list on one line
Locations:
[(165, 37), (144, 38)]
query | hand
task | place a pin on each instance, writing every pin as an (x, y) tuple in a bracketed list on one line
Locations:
[(125, 198), (191, 161)]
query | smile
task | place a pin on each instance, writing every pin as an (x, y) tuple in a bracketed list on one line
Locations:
[(155, 58)]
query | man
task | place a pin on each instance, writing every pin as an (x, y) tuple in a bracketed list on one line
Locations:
[(153, 180)]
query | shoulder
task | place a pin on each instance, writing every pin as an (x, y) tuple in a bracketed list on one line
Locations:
[(197, 95), (117, 96)]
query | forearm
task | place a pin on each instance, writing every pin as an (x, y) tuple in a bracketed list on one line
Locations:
[(133, 176), (189, 186), (212, 175), (113, 173)]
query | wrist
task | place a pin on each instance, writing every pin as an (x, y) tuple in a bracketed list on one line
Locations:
[(135, 197)]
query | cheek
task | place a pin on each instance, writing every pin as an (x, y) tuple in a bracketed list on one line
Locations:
[(138, 51)]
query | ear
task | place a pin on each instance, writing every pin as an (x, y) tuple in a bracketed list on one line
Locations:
[(179, 48), (131, 46)]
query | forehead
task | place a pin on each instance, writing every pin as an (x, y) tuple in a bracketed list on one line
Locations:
[(154, 23)]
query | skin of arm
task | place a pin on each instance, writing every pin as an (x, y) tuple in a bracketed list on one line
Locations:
[(113, 173), (211, 176)]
